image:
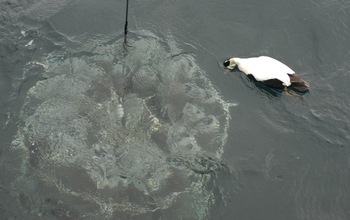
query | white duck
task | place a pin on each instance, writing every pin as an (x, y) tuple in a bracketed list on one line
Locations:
[(268, 71)]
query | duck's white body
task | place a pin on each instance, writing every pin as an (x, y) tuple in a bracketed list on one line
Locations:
[(269, 71), (265, 68)]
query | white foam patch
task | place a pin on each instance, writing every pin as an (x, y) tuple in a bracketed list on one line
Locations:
[(124, 131)]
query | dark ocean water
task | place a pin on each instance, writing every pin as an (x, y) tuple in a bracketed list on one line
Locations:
[(92, 130)]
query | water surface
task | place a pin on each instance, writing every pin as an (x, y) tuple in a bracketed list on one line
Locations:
[(78, 111)]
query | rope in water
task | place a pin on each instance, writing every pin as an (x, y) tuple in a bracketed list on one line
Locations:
[(126, 21)]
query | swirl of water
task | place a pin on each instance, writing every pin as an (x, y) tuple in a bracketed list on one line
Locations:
[(122, 132)]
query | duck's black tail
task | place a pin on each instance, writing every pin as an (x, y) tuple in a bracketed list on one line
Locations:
[(298, 83)]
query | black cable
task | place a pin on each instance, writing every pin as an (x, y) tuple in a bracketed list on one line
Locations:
[(126, 21)]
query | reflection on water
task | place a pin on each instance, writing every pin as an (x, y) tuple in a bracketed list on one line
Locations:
[(111, 131)]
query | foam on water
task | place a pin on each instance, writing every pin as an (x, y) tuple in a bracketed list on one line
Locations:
[(113, 131)]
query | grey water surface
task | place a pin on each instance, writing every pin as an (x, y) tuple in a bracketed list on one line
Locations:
[(93, 129)]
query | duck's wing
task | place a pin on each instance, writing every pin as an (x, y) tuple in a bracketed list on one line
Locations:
[(275, 83)]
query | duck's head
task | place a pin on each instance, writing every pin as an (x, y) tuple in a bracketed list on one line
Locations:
[(230, 63)]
